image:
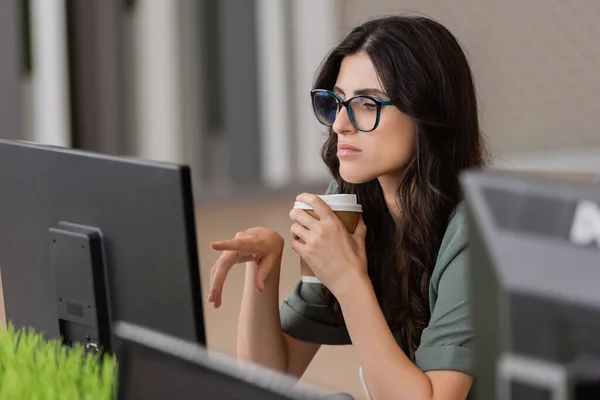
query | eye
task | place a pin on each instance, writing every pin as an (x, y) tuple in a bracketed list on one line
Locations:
[(365, 103), (370, 106)]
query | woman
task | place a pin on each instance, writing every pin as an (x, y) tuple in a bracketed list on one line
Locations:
[(399, 98)]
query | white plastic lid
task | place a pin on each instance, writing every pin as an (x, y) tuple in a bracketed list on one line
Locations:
[(337, 202)]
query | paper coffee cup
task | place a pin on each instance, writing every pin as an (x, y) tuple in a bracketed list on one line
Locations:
[(346, 208)]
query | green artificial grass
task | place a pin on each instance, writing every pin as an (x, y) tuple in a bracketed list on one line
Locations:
[(33, 368)]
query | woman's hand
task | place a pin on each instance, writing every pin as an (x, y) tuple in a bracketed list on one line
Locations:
[(335, 256), (261, 246)]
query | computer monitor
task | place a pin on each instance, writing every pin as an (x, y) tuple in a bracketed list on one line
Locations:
[(535, 278), (86, 239), (153, 365)]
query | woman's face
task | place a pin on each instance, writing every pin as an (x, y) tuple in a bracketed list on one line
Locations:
[(384, 151)]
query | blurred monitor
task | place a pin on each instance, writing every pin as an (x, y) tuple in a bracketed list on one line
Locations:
[(86, 239), (155, 366), (535, 276)]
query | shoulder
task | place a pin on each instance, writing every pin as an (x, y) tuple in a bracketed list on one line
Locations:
[(454, 247)]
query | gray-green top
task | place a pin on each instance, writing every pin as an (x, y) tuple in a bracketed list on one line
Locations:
[(446, 343)]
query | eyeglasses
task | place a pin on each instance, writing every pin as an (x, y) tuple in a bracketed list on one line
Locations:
[(364, 111)]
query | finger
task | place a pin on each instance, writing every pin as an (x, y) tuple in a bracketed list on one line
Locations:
[(299, 232), (361, 229), (303, 218), (299, 248), (211, 292), (222, 267), (320, 208), (242, 245)]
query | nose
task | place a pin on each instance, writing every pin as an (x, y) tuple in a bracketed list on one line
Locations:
[(342, 124)]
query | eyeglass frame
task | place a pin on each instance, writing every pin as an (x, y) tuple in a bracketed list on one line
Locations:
[(346, 103)]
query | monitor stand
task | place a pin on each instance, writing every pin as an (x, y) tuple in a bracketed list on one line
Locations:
[(76, 259)]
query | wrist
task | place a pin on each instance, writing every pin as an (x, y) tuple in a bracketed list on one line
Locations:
[(279, 243), (353, 284)]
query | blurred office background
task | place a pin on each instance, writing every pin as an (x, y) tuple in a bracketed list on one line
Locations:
[(223, 85)]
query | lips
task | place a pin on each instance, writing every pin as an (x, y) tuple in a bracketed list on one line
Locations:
[(346, 150), (346, 146)]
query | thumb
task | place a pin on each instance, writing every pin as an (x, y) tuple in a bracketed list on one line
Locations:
[(361, 230)]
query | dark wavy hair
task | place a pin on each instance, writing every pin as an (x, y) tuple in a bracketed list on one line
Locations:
[(425, 72)]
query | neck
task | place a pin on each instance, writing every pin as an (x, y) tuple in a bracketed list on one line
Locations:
[(389, 185)]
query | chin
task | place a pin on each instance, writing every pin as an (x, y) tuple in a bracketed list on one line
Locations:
[(355, 174)]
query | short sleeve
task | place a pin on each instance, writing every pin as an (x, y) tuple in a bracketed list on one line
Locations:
[(306, 316), (447, 342)]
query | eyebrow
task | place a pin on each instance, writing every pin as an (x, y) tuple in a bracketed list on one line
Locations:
[(370, 91), (363, 92)]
